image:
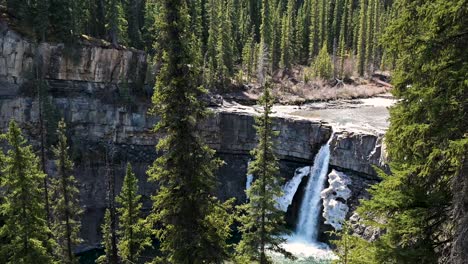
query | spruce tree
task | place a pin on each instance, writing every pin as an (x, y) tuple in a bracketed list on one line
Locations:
[(224, 47), (62, 19), (116, 22), (22, 208), (276, 38), (132, 16), (369, 35), (191, 224), (426, 141), (248, 57), (106, 239), (361, 43), (264, 56), (134, 236), (285, 43), (322, 67), (212, 8), (65, 201), (261, 222), (314, 30), (343, 38)]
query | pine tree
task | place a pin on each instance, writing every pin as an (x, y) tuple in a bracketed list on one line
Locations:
[(370, 35), (65, 201), (343, 35), (62, 19), (116, 23), (261, 222), (134, 236), (106, 239), (248, 57), (285, 43), (361, 44), (224, 48), (191, 223), (132, 16), (213, 32), (426, 141), (352, 249), (314, 30), (323, 66), (276, 38), (264, 56), (22, 207), (323, 23)]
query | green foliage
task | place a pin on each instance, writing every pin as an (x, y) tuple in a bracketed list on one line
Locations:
[(65, 204), (134, 235), (190, 223), (322, 66), (106, 239), (22, 206), (116, 22), (427, 139), (352, 249), (262, 223), (361, 46)]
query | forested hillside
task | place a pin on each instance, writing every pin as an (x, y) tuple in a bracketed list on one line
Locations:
[(416, 202), (227, 33)]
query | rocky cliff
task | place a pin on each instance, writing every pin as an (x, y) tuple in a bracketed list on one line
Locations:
[(108, 118)]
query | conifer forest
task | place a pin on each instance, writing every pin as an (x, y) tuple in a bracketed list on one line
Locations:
[(234, 131)]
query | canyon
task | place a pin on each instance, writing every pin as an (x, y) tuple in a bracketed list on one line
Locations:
[(101, 94)]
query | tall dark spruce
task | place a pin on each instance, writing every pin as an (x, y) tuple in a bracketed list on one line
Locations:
[(191, 224), (420, 205), (65, 204), (24, 233), (262, 223)]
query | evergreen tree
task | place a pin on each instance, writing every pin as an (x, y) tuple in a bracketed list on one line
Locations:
[(248, 56), (370, 34), (213, 32), (62, 19), (323, 66), (132, 16), (65, 201), (285, 43), (427, 140), (276, 38), (22, 208), (361, 44), (262, 223), (323, 22), (191, 223), (116, 22), (224, 48), (106, 239), (133, 234), (352, 249), (265, 42), (343, 38), (314, 30)]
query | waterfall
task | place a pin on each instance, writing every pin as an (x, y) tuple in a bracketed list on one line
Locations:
[(307, 225), (290, 188)]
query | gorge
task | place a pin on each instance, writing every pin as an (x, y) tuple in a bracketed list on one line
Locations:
[(90, 89)]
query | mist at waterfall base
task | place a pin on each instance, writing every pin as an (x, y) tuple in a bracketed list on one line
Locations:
[(303, 242)]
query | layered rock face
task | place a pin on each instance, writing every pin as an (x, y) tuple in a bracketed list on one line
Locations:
[(108, 120), (83, 63)]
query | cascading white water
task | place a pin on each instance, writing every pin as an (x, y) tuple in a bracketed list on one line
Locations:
[(307, 225), (290, 188)]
